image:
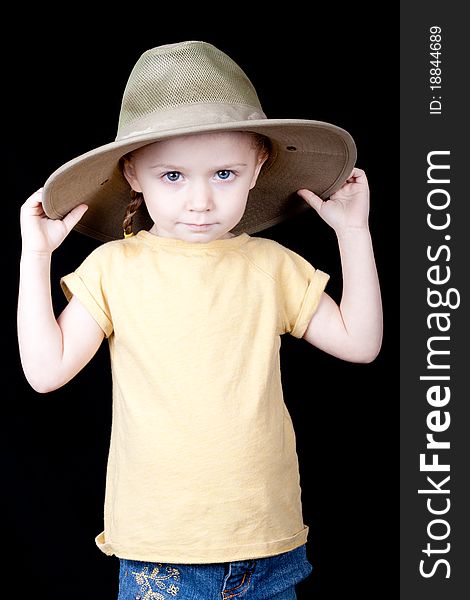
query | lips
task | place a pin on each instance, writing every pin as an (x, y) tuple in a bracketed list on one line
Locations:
[(198, 225)]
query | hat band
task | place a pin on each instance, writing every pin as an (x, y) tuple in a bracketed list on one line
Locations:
[(189, 116)]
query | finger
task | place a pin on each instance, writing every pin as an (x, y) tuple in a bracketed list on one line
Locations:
[(357, 175), (35, 199), (74, 216), (311, 198)]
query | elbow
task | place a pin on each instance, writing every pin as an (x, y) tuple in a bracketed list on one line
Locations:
[(367, 355), (42, 376), (42, 385), (44, 389), (366, 358)]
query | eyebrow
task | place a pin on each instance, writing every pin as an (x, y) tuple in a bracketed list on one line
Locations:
[(222, 167)]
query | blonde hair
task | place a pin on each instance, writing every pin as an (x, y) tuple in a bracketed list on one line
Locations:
[(262, 145), (133, 206)]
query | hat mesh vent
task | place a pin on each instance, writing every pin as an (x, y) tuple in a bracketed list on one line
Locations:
[(192, 74)]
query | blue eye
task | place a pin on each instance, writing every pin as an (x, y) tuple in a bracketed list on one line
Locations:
[(224, 174), (172, 175)]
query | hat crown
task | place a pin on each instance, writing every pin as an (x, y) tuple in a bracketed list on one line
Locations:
[(185, 73)]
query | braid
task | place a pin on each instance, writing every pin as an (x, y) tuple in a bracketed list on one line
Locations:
[(132, 208)]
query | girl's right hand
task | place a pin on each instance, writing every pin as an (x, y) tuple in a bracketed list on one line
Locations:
[(41, 234)]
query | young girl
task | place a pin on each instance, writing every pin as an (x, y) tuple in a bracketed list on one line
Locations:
[(202, 491)]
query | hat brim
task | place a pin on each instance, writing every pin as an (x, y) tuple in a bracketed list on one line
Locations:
[(305, 154)]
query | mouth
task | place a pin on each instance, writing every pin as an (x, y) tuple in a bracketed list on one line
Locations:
[(199, 226)]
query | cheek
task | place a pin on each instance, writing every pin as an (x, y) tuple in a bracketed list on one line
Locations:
[(236, 204), (156, 196), (155, 202), (161, 206)]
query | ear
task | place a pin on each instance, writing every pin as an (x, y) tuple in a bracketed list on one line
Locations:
[(259, 164), (129, 173)]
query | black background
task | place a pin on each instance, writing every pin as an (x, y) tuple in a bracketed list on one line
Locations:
[(65, 82)]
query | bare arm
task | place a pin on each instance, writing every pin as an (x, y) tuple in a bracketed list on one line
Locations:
[(353, 330), (52, 351)]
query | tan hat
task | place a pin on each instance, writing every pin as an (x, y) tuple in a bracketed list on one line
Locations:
[(193, 87)]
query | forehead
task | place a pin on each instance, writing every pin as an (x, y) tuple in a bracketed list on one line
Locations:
[(205, 144)]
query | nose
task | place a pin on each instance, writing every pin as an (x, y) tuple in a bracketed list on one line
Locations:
[(200, 197)]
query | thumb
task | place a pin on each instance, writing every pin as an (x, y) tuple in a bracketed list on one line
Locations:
[(311, 198), (74, 216)]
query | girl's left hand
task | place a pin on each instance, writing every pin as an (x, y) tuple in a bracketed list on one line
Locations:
[(346, 208)]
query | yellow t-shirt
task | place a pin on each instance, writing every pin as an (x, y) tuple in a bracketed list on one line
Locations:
[(202, 463)]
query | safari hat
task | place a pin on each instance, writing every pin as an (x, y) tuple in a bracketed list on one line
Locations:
[(188, 88)]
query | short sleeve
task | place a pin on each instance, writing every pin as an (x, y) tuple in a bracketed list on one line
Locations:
[(300, 287), (87, 283)]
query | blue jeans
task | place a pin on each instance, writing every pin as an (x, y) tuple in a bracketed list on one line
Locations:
[(271, 578)]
